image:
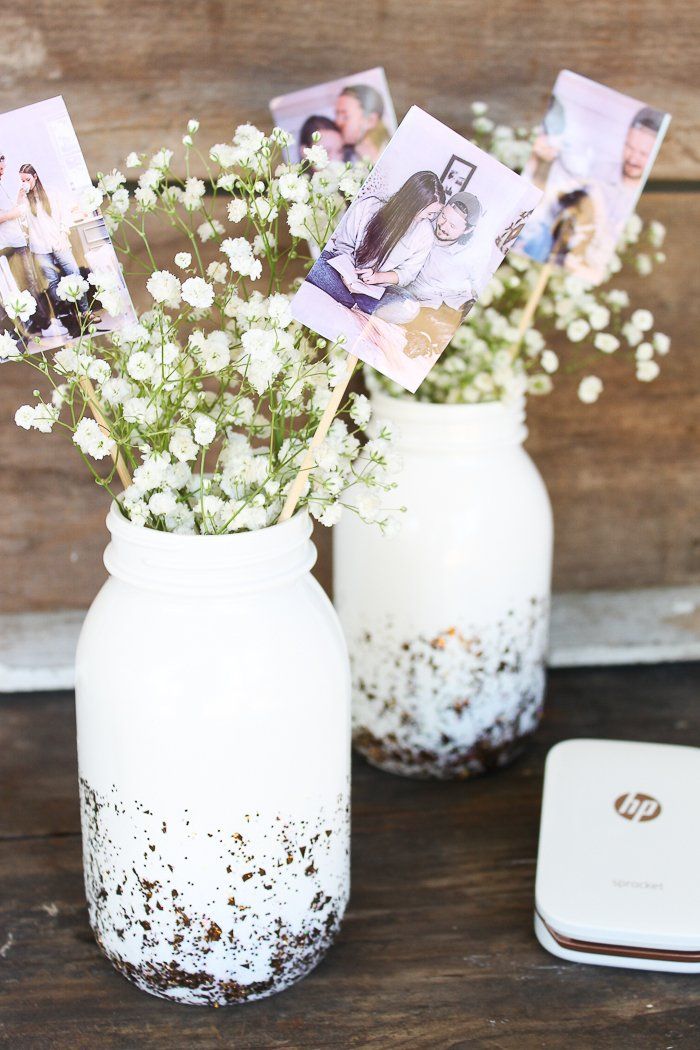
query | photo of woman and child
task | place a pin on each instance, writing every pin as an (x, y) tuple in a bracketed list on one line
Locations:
[(353, 117), (45, 232), (411, 256), (591, 159)]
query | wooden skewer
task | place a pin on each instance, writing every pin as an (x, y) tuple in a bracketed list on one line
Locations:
[(321, 431), (94, 405), (531, 306)]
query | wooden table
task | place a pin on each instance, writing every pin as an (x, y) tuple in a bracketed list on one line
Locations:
[(437, 948)]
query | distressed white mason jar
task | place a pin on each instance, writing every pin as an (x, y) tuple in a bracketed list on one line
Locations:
[(447, 623), (213, 709)]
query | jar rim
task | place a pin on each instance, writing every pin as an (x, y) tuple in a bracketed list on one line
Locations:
[(119, 525), (400, 406), (237, 562)]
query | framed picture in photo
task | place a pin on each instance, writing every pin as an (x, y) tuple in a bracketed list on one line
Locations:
[(457, 174), (414, 250)]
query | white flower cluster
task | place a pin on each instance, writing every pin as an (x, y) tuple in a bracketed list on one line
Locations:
[(211, 399)]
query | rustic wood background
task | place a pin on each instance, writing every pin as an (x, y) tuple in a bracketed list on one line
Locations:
[(624, 474)]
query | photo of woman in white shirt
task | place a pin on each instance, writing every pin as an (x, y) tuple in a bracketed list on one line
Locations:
[(380, 243), (47, 221)]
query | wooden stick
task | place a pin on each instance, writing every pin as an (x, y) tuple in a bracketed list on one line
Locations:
[(321, 431), (531, 305), (90, 396)]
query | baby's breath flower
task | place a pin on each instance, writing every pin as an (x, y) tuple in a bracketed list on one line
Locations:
[(19, 306), (483, 125), (632, 334), (165, 288), (237, 210), (209, 229), (9, 347), (590, 389), (647, 371), (657, 233), (539, 384), (606, 342), (661, 343), (91, 440), (549, 361), (642, 319), (197, 293), (643, 264), (578, 330)]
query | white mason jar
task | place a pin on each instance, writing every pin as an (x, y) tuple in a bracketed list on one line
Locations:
[(447, 623), (213, 710)]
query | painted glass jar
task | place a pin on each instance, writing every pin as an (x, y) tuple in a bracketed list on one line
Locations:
[(447, 623), (213, 711)]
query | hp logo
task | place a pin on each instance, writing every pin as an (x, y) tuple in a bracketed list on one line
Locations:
[(637, 807)]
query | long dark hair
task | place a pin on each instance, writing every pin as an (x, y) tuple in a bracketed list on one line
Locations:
[(37, 192), (387, 226)]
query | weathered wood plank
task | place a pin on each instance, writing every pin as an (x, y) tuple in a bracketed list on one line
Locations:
[(132, 74), (437, 948), (624, 474)]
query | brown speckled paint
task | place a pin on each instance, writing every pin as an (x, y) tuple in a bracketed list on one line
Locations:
[(278, 892), (457, 703)]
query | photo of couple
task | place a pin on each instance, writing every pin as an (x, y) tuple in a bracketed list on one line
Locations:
[(46, 230), (353, 117), (591, 159), (413, 253)]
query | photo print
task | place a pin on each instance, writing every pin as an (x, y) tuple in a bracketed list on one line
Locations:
[(591, 158), (354, 117), (50, 230), (410, 257)]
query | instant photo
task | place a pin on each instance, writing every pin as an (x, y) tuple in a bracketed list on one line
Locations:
[(353, 117), (50, 229), (591, 159), (414, 251)]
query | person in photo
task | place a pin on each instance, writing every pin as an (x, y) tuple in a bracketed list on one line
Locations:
[(573, 231), (380, 245), (622, 190), (48, 221), (329, 136), (14, 246), (359, 110), (446, 280), (548, 144)]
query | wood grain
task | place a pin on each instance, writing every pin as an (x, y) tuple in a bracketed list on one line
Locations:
[(436, 950), (133, 73)]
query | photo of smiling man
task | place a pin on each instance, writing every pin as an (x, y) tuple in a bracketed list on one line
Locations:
[(592, 158), (354, 117)]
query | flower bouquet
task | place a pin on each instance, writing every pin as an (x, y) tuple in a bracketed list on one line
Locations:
[(207, 403)]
